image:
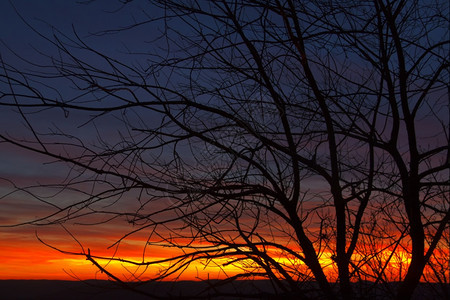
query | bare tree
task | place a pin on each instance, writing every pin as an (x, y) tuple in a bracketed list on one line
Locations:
[(296, 141)]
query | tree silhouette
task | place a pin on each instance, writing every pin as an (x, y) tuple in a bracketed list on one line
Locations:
[(297, 141)]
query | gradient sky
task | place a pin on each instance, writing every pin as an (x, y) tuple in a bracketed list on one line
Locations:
[(22, 255)]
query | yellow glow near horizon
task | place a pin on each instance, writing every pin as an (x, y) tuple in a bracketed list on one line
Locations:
[(35, 261)]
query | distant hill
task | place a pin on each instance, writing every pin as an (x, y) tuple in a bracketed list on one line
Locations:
[(101, 289), (107, 290)]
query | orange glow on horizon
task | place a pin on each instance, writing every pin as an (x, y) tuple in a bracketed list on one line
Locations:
[(39, 262), (24, 257)]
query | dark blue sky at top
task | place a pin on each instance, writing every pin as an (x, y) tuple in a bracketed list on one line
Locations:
[(86, 19), (20, 41), (25, 27), (47, 17)]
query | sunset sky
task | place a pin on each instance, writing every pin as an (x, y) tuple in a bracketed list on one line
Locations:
[(23, 250), (22, 256)]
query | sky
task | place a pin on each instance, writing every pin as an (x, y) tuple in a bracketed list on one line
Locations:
[(23, 253)]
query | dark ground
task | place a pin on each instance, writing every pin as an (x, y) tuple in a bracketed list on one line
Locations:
[(99, 290)]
